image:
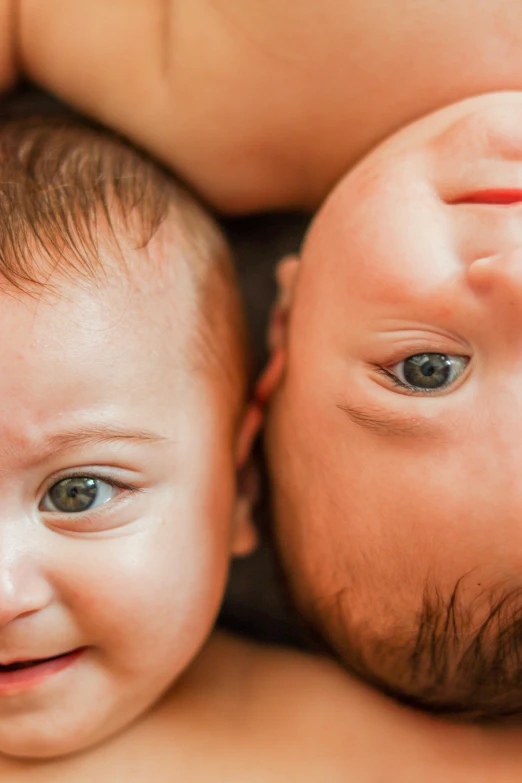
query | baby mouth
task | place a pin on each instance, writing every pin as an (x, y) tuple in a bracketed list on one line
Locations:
[(17, 665), (19, 676)]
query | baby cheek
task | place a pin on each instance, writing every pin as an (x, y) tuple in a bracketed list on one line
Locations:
[(147, 594)]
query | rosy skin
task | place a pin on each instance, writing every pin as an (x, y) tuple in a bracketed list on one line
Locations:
[(137, 580), (7, 44), (380, 491)]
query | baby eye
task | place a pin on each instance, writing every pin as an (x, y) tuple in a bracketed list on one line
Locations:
[(429, 371), (76, 494)]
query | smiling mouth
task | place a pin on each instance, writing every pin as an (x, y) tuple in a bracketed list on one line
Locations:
[(19, 676), (17, 665), (498, 196)]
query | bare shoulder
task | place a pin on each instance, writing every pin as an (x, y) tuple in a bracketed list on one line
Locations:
[(249, 681), (265, 672), (265, 697), (313, 721)]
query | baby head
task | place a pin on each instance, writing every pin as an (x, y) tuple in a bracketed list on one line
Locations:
[(395, 433), (122, 381)]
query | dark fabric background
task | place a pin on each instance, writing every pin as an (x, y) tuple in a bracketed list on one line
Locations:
[(255, 603)]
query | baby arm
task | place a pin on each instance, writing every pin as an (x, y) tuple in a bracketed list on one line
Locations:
[(259, 103), (7, 47)]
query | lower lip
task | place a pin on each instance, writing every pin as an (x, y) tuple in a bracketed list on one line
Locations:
[(22, 679), (502, 197)]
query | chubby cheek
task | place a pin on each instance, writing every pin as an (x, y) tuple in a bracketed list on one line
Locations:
[(341, 527), (147, 599)]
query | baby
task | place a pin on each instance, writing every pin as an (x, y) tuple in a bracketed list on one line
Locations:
[(123, 421), (123, 379), (394, 437)]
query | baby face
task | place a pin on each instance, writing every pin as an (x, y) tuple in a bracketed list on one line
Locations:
[(117, 484), (395, 437)]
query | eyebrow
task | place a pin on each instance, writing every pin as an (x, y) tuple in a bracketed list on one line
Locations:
[(381, 421), (101, 433)]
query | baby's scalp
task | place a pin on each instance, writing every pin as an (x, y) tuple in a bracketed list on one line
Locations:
[(123, 375)]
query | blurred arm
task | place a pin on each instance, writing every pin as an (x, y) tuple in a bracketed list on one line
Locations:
[(7, 44), (263, 103)]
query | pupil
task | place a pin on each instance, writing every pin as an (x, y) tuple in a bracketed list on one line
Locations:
[(74, 494), (427, 370)]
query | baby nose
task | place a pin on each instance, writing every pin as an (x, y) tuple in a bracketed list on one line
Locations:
[(499, 277), (24, 588)]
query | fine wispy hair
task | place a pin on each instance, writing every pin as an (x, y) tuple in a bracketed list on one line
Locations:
[(463, 660), (61, 184), (66, 186)]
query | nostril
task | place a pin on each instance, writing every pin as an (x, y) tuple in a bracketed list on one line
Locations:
[(480, 274)]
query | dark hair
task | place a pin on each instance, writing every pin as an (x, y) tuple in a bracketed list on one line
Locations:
[(464, 660), (59, 179)]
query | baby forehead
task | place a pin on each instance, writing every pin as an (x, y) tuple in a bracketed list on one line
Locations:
[(81, 353), (76, 318)]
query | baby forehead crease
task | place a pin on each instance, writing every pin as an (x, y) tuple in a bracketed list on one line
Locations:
[(390, 423)]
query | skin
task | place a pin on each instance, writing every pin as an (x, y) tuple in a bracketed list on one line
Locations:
[(254, 713), (84, 394), (8, 70), (266, 104), (380, 491)]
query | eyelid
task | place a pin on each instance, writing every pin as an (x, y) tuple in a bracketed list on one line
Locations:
[(404, 347)]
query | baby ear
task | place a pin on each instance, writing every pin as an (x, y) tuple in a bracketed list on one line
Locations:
[(244, 534), (286, 276)]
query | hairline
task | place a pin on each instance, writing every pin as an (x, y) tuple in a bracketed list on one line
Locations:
[(110, 193)]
